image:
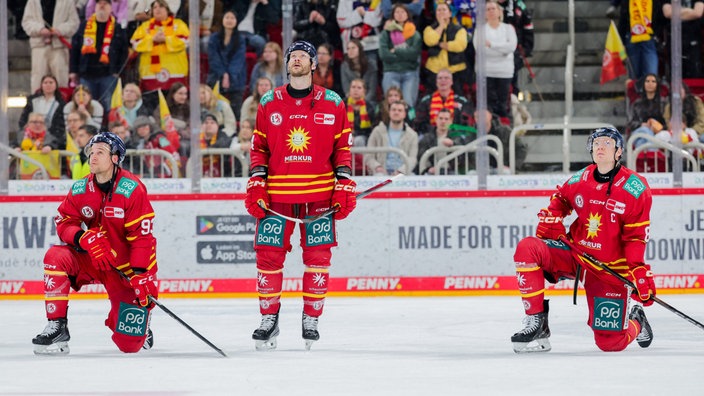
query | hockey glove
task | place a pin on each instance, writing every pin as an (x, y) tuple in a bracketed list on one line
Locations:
[(95, 242), (256, 197), (344, 198), (645, 286), (144, 286), (549, 226)]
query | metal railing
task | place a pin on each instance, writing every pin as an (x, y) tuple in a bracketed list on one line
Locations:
[(231, 163), (450, 161), (661, 147), (360, 157)]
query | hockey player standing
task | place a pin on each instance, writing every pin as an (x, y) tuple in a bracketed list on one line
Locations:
[(300, 167), (612, 204), (106, 224)]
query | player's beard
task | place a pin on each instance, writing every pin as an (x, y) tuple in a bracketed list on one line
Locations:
[(303, 71)]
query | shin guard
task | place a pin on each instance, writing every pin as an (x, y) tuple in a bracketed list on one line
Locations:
[(315, 287)]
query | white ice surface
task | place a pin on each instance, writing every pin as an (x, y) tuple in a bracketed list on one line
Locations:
[(368, 346)]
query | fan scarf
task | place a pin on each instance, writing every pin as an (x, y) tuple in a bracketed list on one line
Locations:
[(641, 17), (154, 26), (437, 104), (364, 121), (90, 39), (207, 165)]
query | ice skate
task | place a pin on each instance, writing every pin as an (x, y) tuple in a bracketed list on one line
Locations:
[(265, 336), (310, 330), (535, 334), (53, 340), (149, 342), (645, 337)]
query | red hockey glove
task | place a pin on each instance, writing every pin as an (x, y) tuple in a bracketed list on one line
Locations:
[(144, 286), (645, 287), (549, 226), (344, 198), (95, 242), (256, 194)]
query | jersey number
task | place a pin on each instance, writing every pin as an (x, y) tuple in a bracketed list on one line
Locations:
[(147, 226)]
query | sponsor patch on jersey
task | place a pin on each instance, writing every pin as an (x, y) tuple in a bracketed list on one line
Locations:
[(125, 187), (332, 96), (324, 118), (79, 187), (114, 212), (608, 314), (579, 201), (276, 119), (87, 211), (634, 186), (575, 178), (131, 320), (320, 232), (267, 97), (270, 231), (615, 206)]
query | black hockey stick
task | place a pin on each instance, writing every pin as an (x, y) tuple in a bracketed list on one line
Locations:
[(179, 320), (333, 209), (630, 284)]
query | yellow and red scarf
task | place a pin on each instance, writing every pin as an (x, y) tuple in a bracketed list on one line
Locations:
[(437, 104), (364, 121), (641, 18), (210, 169), (167, 26), (90, 39)]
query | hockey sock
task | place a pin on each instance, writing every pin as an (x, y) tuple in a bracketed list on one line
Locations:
[(269, 289), (531, 284), (56, 289), (315, 286)]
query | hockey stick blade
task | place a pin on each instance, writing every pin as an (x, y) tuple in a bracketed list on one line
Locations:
[(176, 318), (630, 284), (333, 209)]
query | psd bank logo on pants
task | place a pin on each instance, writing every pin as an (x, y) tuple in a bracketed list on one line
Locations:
[(608, 314), (132, 320)]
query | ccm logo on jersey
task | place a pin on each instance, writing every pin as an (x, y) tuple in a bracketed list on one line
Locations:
[(111, 211), (297, 117), (324, 118)]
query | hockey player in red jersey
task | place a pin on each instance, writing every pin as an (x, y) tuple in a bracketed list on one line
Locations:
[(106, 224), (612, 204), (300, 167)]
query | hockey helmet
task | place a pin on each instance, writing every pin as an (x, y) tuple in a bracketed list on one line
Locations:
[(305, 46), (609, 132), (117, 146)]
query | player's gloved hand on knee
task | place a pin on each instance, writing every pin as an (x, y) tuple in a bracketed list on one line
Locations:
[(257, 200), (344, 198), (549, 226), (144, 285), (95, 242), (645, 286)]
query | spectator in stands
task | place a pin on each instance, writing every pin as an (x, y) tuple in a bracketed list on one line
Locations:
[(250, 105), (361, 20), (148, 136), (255, 16), (132, 106), (226, 61), (212, 136), (180, 110), (243, 141), (83, 101), (315, 22), (692, 112), (446, 42), (443, 98), (519, 112), (50, 26), (691, 12), (399, 51), (34, 136), (395, 134), (493, 126), (518, 15), (270, 64), (638, 29), (414, 7), (219, 108), (441, 138), (327, 74), (99, 52), (499, 46), (393, 94), (119, 9), (16, 7), (359, 113), (74, 120), (137, 12), (48, 102), (78, 164), (647, 111), (206, 12), (357, 65), (161, 43), (121, 131)]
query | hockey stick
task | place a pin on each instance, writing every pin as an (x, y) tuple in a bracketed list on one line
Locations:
[(630, 284), (333, 209), (176, 318)]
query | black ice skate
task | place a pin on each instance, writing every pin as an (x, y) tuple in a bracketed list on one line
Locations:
[(310, 330), (53, 340), (265, 335), (149, 342), (645, 337), (535, 334)]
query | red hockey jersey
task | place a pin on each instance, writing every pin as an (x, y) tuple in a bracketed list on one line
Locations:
[(301, 142), (124, 213), (613, 227)]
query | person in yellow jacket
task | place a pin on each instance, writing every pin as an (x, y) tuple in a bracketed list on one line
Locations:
[(161, 43), (79, 163)]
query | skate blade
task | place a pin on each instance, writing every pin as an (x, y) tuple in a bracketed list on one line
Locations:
[(539, 345), (309, 343), (58, 348), (265, 345)]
